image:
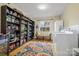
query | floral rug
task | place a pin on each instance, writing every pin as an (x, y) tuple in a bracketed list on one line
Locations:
[(35, 48)]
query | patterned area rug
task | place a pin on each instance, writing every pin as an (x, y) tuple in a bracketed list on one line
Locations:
[(34, 48)]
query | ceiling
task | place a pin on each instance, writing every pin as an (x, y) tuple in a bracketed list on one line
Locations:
[(31, 9)]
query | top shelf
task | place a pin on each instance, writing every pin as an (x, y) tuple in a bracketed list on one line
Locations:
[(13, 15), (14, 10)]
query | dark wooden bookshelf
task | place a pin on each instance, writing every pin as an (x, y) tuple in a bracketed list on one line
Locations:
[(16, 26), (9, 27)]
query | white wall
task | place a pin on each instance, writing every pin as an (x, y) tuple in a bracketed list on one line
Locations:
[(71, 15)]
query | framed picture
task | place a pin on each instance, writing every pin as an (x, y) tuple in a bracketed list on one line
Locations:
[(44, 26)]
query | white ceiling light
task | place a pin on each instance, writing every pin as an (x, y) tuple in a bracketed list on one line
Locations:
[(42, 7)]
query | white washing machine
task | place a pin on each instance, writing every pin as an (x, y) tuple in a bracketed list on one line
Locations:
[(63, 43)]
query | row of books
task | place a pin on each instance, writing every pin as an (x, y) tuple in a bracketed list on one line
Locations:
[(12, 19), (12, 12)]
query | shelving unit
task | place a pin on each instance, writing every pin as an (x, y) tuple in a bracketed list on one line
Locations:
[(10, 25), (18, 28), (30, 29), (24, 29)]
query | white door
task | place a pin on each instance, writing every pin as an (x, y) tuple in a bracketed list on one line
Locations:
[(58, 25)]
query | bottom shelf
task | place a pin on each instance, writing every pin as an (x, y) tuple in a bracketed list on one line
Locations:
[(14, 52), (23, 41), (13, 46), (16, 44), (17, 49)]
